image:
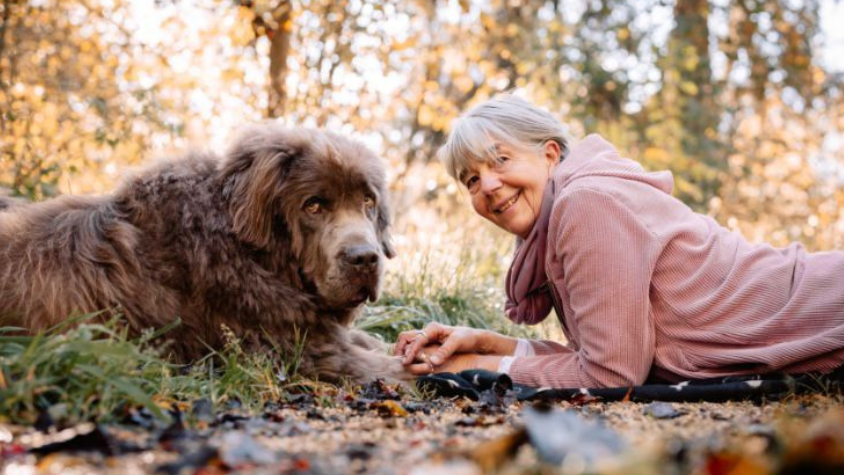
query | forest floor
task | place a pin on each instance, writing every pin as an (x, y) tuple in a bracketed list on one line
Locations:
[(376, 430)]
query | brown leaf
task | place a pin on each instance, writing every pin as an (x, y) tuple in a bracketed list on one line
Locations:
[(492, 454), (389, 408)]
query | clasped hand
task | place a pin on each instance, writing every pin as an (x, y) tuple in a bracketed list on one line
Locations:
[(445, 348)]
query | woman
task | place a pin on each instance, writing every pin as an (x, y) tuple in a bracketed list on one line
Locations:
[(644, 287)]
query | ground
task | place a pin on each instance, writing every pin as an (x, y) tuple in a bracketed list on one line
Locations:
[(375, 430)]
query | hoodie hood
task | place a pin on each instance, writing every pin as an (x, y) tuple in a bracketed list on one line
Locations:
[(595, 157)]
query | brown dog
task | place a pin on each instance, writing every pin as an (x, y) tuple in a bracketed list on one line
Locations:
[(287, 233)]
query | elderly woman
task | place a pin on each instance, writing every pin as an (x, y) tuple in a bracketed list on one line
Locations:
[(644, 287)]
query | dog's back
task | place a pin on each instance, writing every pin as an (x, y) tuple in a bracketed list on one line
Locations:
[(6, 200), (43, 248), (73, 254)]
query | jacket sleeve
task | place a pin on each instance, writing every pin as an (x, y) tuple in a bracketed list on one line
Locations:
[(607, 257)]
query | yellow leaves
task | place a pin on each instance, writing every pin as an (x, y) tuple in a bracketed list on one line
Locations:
[(818, 76), (689, 88), (408, 43), (389, 408), (245, 14), (231, 74), (464, 83), (690, 58), (525, 67), (657, 155), (86, 46), (242, 33), (425, 115), (488, 21), (170, 404)]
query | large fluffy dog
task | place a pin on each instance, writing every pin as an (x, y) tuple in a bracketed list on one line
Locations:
[(286, 234)]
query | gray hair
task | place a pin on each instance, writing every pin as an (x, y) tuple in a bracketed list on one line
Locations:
[(505, 119)]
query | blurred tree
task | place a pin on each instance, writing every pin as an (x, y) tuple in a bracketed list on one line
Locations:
[(728, 95), (682, 119), (779, 108), (274, 21), (68, 98)]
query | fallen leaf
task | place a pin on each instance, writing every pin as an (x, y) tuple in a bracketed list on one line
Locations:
[(389, 408), (558, 434), (662, 410), (238, 448)]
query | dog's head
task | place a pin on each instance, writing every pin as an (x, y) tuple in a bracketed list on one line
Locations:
[(322, 195)]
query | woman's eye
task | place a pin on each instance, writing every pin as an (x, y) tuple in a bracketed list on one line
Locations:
[(313, 206), (368, 201), (472, 182)]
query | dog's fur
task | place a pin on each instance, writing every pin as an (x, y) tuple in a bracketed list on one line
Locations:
[(6, 201), (286, 233)]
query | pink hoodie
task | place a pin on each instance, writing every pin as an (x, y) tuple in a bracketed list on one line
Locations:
[(649, 287)]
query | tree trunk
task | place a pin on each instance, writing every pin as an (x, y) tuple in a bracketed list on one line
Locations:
[(279, 51)]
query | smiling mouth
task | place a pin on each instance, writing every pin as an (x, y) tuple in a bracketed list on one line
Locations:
[(507, 204)]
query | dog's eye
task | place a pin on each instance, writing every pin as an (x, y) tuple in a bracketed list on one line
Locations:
[(369, 201), (313, 205)]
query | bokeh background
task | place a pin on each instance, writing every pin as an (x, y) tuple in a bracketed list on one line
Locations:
[(741, 99)]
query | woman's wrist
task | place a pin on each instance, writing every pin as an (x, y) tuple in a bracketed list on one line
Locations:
[(492, 343), (488, 362)]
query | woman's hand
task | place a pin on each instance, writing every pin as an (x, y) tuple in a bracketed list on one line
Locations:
[(451, 340), (422, 364)]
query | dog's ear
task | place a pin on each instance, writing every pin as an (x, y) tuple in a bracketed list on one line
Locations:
[(253, 176), (384, 227)]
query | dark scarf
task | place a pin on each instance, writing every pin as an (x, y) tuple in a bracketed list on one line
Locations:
[(529, 298)]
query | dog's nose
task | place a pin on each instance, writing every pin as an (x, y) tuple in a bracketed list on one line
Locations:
[(361, 256)]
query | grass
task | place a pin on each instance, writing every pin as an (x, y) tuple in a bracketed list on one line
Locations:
[(90, 371), (429, 288)]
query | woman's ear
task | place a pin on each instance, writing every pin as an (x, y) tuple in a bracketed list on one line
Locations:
[(551, 152)]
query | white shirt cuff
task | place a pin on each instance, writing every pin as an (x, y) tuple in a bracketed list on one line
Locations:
[(504, 364), (523, 348)]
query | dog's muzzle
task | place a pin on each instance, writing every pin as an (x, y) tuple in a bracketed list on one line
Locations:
[(361, 264)]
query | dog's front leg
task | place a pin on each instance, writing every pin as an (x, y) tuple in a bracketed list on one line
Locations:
[(368, 341), (358, 356)]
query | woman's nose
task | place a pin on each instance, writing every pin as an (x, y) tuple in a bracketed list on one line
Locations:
[(490, 182)]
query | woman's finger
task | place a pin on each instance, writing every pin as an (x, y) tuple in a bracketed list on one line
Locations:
[(414, 346), (403, 340), (422, 365), (421, 368), (433, 333), (451, 344)]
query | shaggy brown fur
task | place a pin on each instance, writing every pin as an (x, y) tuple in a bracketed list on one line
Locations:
[(7, 201), (286, 233)]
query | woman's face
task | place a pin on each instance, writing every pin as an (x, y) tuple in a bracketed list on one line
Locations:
[(509, 193)]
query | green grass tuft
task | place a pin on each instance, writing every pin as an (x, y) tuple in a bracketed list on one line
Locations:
[(88, 371), (431, 289)]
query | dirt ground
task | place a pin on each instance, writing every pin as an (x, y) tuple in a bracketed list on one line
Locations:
[(379, 434)]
